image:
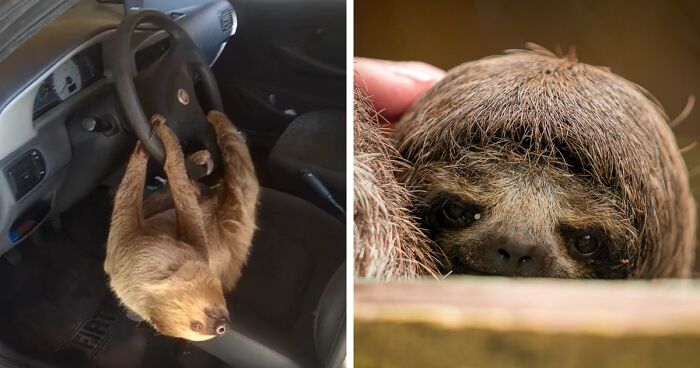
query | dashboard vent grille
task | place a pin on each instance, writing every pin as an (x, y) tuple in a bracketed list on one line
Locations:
[(226, 19)]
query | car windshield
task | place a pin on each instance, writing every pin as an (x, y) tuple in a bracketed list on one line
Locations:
[(20, 19)]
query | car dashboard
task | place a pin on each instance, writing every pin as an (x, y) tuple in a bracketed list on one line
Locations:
[(61, 129)]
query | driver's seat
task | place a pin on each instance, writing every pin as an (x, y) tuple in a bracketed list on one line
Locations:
[(288, 309)]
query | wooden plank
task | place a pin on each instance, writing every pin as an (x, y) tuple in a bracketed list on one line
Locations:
[(498, 322)]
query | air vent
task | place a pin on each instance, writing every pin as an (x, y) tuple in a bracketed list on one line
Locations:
[(226, 19)]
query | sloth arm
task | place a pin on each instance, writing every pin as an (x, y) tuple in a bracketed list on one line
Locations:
[(127, 216), (188, 214), (239, 193)]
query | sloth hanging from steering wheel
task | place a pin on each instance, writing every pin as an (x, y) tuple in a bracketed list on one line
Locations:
[(171, 260)]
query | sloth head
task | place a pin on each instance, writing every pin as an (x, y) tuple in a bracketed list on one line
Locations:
[(528, 164), (189, 304)]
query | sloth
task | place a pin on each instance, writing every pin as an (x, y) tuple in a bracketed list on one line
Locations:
[(529, 164), (171, 261)]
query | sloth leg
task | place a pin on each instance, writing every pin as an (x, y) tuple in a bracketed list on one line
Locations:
[(127, 215), (239, 193), (190, 222), (238, 196)]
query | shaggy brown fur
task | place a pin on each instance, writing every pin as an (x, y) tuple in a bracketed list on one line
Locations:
[(388, 242), (542, 150), (173, 268)]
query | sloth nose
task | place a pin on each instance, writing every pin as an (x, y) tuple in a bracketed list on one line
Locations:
[(218, 320), (221, 327), (512, 257)]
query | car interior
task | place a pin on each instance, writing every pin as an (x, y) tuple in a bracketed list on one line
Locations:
[(74, 99)]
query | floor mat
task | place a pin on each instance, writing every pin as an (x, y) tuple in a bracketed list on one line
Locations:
[(55, 304)]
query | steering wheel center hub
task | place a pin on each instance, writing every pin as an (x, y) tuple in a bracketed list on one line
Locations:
[(183, 97)]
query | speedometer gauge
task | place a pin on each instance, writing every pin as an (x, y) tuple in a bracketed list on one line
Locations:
[(67, 80)]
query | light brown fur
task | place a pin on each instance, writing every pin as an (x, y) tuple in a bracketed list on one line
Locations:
[(388, 241), (173, 268)]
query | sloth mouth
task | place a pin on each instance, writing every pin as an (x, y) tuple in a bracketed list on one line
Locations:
[(471, 271), (459, 267)]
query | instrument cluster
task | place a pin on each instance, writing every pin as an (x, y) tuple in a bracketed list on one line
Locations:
[(69, 78)]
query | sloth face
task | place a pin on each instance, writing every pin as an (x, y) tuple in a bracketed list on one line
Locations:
[(192, 306), (528, 164), (508, 217)]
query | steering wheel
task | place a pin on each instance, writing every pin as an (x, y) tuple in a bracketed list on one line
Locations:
[(166, 87)]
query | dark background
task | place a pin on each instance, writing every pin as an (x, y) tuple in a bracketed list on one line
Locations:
[(655, 44)]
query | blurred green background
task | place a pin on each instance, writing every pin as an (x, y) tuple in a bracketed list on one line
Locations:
[(655, 44)]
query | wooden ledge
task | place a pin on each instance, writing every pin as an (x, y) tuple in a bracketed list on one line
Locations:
[(495, 322)]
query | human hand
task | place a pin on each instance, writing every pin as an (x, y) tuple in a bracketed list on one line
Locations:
[(394, 85)]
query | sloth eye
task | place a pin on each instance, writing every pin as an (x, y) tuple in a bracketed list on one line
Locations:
[(584, 242), (455, 213), (197, 326)]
